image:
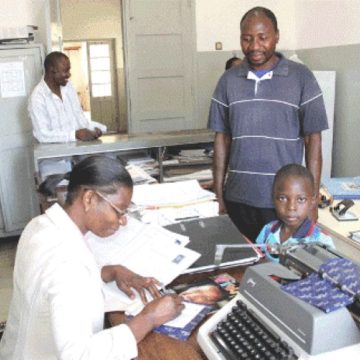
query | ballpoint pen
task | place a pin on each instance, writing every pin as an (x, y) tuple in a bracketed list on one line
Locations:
[(187, 218)]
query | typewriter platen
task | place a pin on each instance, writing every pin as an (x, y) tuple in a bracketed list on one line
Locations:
[(285, 327)]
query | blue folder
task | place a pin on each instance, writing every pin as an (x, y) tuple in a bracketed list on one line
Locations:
[(342, 187)]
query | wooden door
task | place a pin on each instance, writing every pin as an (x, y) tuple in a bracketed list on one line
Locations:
[(159, 54), (103, 83)]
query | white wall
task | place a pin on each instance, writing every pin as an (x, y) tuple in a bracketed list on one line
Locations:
[(15, 13), (303, 24), (106, 14), (324, 23), (220, 21)]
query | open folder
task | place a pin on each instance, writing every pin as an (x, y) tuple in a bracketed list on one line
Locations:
[(206, 233)]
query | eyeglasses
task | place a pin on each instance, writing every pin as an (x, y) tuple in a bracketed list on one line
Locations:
[(120, 213)]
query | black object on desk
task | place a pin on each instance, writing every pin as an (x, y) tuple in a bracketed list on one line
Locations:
[(341, 211), (206, 233)]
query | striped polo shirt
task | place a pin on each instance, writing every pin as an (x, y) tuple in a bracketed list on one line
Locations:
[(267, 119)]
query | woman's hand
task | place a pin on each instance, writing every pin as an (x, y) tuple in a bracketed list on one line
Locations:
[(154, 314), (163, 310), (126, 280)]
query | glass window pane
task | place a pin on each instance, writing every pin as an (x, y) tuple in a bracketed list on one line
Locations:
[(99, 50), (107, 90), (101, 90), (97, 90), (100, 77), (100, 64)]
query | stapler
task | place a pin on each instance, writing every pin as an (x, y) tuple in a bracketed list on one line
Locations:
[(341, 211)]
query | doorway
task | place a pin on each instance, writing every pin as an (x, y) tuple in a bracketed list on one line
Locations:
[(94, 78), (157, 40)]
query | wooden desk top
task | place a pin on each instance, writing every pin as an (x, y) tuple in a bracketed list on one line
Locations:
[(162, 347)]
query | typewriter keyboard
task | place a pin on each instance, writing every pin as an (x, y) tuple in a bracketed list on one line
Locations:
[(241, 335)]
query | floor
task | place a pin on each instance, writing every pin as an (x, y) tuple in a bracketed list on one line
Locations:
[(7, 256)]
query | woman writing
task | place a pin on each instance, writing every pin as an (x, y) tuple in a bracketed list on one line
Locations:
[(57, 308)]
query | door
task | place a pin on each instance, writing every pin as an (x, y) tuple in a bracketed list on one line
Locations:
[(103, 83), (159, 58), (20, 71)]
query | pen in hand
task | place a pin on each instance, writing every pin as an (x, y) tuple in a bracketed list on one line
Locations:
[(187, 218), (163, 291)]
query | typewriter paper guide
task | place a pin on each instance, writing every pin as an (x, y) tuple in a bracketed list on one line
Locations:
[(206, 233)]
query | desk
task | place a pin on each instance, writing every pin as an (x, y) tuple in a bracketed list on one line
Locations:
[(339, 230), (161, 347)]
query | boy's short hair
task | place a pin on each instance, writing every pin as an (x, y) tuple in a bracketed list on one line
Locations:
[(294, 170)]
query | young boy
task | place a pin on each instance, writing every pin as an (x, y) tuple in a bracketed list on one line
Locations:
[(294, 196)]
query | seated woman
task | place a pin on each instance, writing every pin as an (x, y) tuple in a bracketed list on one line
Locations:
[(57, 308)]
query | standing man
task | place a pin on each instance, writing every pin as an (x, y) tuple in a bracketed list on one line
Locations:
[(265, 113), (55, 109)]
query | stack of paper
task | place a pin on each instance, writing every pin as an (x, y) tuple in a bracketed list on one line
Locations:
[(139, 175), (171, 194), (142, 160), (171, 215), (182, 174), (148, 250)]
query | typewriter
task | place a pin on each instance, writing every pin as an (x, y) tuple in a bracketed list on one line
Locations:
[(264, 322)]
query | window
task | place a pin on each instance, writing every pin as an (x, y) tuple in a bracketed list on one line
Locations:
[(100, 72)]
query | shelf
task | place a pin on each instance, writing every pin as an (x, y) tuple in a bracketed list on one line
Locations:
[(125, 146)]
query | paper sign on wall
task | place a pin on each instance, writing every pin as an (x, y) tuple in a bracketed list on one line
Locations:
[(12, 79)]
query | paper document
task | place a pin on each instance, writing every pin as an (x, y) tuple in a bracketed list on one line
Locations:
[(139, 175), (12, 79), (170, 194), (190, 311), (170, 215), (148, 250)]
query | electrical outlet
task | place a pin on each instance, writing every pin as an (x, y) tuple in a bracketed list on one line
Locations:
[(218, 45)]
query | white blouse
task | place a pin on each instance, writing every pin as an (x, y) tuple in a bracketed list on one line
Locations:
[(57, 308)]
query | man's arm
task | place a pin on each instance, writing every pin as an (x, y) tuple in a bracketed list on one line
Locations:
[(87, 135), (222, 144), (313, 160)]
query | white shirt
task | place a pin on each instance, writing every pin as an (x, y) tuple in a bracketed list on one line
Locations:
[(57, 308), (54, 119)]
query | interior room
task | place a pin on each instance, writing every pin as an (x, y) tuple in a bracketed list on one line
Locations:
[(147, 70), (330, 48)]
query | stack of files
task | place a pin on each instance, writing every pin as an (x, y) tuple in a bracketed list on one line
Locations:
[(142, 160), (148, 250), (182, 174), (342, 187), (176, 194), (170, 215), (139, 175), (193, 156)]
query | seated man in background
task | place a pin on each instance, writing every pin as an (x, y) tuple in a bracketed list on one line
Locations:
[(54, 106)]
